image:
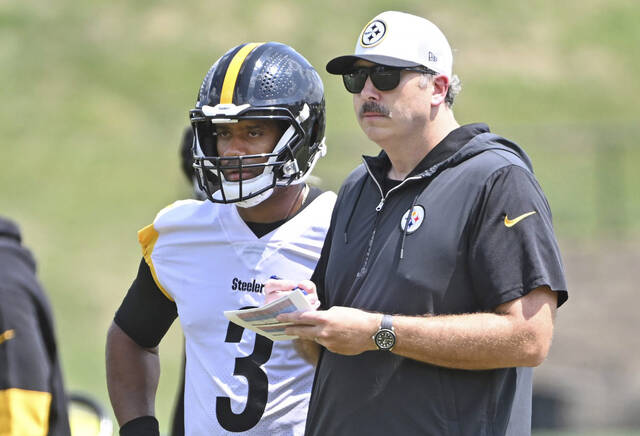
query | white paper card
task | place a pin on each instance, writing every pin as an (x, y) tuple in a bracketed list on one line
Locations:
[(262, 320)]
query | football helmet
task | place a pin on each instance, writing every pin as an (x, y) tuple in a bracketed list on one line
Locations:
[(268, 81)]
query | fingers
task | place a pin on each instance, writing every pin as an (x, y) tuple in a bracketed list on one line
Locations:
[(308, 286), (306, 325), (276, 288), (313, 301), (303, 318), (340, 330), (276, 284), (308, 333)]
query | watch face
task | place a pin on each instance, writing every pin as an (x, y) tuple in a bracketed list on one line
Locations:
[(385, 339)]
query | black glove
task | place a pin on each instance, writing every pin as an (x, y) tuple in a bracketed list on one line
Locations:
[(141, 426)]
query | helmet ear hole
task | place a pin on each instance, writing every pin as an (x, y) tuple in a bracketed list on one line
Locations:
[(186, 154), (313, 139), (212, 180), (282, 127), (206, 177), (305, 155), (207, 138)]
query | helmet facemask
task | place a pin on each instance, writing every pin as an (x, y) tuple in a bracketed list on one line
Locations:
[(264, 81), (280, 169)]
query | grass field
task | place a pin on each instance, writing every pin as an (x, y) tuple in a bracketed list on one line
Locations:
[(95, 97)]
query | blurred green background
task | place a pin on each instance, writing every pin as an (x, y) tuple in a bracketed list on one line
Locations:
[(94, 97)]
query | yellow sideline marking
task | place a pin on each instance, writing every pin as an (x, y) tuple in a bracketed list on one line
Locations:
[(230, 78)]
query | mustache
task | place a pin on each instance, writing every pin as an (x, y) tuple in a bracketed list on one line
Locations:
[(372, 106)]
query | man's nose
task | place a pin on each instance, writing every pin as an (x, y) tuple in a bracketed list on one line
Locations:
[(235, 146), (369, 92)]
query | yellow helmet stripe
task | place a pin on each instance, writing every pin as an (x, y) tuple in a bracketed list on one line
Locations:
[(231, 76)]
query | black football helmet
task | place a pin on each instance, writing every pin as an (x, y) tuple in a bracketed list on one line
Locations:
[(259, 81)]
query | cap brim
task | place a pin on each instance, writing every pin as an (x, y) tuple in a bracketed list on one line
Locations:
[(342, 64)]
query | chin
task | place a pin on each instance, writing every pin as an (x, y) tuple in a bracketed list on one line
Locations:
[(376, 134)]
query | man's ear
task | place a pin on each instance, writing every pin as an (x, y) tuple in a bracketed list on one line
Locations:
[(440, 88)]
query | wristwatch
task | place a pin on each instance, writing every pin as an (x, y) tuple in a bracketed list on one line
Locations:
[(385, 337)]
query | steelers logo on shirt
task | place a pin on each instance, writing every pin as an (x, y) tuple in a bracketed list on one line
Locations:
[(413, 222)]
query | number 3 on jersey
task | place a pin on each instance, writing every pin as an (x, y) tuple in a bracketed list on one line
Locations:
[(249, 368)]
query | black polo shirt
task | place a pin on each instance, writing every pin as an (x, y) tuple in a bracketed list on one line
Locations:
[(481, 235)]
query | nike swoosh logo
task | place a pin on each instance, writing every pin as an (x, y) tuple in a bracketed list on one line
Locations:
[(5, 336), (516, 220)]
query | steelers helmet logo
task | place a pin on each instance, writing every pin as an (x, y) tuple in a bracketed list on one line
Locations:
[(373, 33), (413, 222)]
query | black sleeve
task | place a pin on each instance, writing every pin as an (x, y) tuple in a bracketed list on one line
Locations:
[(145, 313), (25, 363), (318, 276), (30, 379), (513, 249), (321, 268), (141, 426)]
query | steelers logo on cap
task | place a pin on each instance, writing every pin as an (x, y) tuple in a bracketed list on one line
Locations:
[(373, 33), (411, 224)]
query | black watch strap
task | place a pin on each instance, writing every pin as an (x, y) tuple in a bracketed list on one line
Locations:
[(385, 337), (387, 322)]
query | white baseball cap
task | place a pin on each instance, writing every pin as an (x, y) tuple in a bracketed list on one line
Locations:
[(399, 39)]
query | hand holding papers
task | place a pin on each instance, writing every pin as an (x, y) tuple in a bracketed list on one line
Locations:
[(262, 320)]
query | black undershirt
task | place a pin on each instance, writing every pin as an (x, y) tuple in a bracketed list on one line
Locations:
[(388, 184), (146, 313)]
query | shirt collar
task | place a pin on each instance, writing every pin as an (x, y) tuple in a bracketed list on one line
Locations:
[(450, 144)]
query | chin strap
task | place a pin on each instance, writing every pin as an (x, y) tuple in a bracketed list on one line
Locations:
[(254, 201)]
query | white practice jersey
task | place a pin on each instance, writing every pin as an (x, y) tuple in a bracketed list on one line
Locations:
[(203, 256)]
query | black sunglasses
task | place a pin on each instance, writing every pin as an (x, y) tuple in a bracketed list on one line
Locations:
[(383, 77)]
